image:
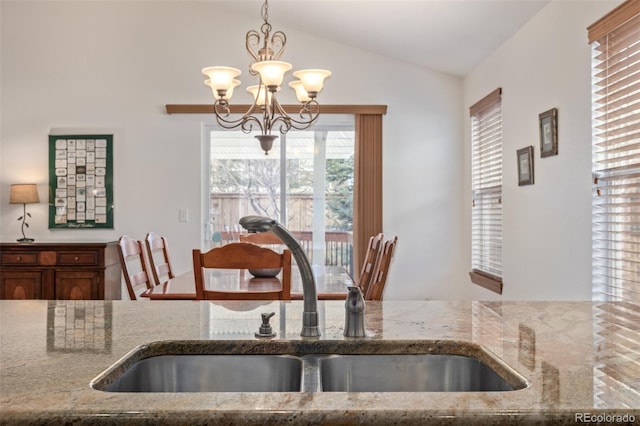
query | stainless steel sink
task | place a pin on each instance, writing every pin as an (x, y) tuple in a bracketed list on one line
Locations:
[(317, 366), (211, 373), (408, 373)]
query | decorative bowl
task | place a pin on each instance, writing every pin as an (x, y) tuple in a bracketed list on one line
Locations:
[(265, 273)]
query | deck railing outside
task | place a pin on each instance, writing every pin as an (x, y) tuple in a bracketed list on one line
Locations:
[(338, 246)]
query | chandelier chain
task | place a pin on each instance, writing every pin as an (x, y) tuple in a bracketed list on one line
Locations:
[(266, 26)]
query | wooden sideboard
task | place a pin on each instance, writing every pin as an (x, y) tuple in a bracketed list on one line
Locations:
[(60, 271)]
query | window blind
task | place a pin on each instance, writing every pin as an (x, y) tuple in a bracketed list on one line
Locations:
[(615, 42), (486, 187)]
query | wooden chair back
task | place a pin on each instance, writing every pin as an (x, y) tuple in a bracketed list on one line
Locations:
[(374, 248), (158, 255), (134, 266), (242, 256), (261, 238), (379, 278)]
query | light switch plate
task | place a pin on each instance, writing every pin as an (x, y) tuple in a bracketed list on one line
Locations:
[(183, 215)]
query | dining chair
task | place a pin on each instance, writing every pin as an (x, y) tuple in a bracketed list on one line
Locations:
[(265, 239), (381, 271), (242, 256), (261, 238), (134, 266), (158, 255), (374, 248)]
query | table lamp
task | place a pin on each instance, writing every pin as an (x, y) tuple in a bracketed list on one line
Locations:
[(24, 193)]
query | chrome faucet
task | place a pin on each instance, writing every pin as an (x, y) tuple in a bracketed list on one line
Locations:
[(309, 293)]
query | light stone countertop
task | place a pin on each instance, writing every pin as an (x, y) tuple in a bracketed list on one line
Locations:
[(581, 359)]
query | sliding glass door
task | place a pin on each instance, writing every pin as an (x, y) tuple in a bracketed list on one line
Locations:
[(306, 183)]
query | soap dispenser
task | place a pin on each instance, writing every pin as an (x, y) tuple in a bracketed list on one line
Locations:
[(354, 313)]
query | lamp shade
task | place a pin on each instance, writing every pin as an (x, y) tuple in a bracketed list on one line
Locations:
[(229, 93), (312, 80), (24, 193), (221, 78), (301, 94), (271, 72), (259, 94)]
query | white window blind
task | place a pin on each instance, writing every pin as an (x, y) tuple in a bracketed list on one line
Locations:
[(615, 42), (486, 186)]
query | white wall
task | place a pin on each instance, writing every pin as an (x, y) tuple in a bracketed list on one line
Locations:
[(114, 65), (547, 226)]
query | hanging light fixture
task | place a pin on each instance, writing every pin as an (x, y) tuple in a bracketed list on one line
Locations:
[(266, 113)]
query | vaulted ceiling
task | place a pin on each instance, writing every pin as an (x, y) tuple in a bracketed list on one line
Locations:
[(451, 36)]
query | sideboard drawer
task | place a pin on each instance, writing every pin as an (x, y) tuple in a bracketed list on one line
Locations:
[(77, 258), (25, 258)]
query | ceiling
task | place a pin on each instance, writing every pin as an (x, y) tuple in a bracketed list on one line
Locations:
[(451, 36)]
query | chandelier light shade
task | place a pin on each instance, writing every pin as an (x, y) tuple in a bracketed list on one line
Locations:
[(222, 80), (266, 114), (312, 80), (228, 91), (271, 72), (301, 94), (24, 193), (260, 95)]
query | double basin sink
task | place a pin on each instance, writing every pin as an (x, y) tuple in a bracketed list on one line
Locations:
[(317, 366)]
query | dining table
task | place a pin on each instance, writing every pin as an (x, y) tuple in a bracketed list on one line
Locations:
[(331, 283)]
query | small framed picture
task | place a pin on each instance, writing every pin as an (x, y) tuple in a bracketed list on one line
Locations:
[(525, 166), (549, 133)]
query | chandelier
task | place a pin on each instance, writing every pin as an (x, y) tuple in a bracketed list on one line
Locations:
[(266, 113)]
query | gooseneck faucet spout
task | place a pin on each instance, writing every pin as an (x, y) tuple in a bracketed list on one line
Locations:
[(309, 293)]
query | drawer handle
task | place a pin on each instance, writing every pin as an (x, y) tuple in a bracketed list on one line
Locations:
[(19, 258), (76, 258)]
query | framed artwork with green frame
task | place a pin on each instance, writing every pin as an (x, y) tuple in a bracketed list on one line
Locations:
[(81, 181)]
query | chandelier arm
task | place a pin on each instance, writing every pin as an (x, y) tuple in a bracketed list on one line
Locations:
[(252, 44), (266, 122), (278, 44), (246, 122), (282, 118), (221, 109), (309, 113), (282, 124), (310, 109)]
